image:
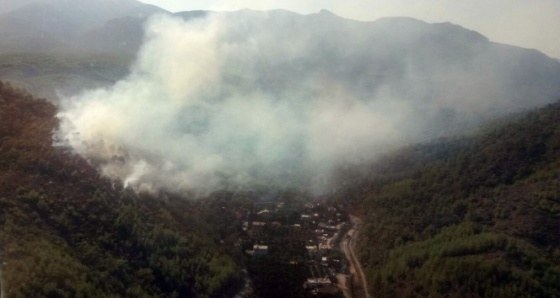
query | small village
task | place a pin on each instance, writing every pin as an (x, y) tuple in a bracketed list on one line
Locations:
[(306, 235)]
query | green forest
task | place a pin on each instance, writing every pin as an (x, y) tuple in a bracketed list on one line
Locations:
[(470, 216), (476, 215), (66, 231)]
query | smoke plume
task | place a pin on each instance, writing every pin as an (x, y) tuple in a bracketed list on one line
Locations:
[(233, 100)]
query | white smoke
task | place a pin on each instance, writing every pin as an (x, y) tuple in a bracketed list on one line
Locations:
[(194, 113), (234, 100)]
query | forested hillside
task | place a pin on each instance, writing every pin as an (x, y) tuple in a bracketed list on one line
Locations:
[(469, 216), (67, 232), (51, 75)]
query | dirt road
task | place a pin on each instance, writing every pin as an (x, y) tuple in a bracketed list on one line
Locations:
[(347, 245)]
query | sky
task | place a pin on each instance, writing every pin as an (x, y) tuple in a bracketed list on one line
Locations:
[(529, 24)]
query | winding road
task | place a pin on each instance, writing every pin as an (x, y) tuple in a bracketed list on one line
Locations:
[(1, 286), (347, 246)]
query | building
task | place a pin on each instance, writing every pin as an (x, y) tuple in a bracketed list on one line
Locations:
[(258, 224), (260, 250), (322, 282), (311, 249)]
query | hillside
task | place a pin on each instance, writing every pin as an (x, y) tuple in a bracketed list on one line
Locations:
[(67, 232), (51, 48), (371, 86), (53, 25), (243, 108), (453, 75), (467, 216), (403, 59), (52, 75)]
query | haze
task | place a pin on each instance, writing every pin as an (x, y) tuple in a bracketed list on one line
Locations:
[(279, 99), (529, 24)]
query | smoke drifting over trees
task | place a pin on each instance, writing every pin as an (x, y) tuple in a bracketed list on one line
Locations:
[(252, 98)]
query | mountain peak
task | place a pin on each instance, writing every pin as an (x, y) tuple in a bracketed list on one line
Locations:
[(326, 12), (400, 21)]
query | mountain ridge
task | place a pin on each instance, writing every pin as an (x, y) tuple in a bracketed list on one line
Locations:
[(64, 21), (467, 215), (443, 67)]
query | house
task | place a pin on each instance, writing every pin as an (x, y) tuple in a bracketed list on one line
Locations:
[(324, 246), (321, 285), (325, 261), (258, 224), (260, 250), (311, 249), (321, 282)]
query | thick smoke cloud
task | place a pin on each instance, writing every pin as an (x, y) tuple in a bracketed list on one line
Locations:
[(196, 112), (233, 100)]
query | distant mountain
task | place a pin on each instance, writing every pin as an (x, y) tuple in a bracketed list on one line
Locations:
[(46, 45), (453, 75), (49, 25), (122, 35), (403, 58), (474, 215), (51, 75)]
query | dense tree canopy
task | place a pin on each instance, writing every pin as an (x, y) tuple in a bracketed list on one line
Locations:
[(475, 215), (469, 216), (68, 232)]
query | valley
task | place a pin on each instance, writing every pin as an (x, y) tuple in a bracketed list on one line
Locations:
[(150, 153)]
